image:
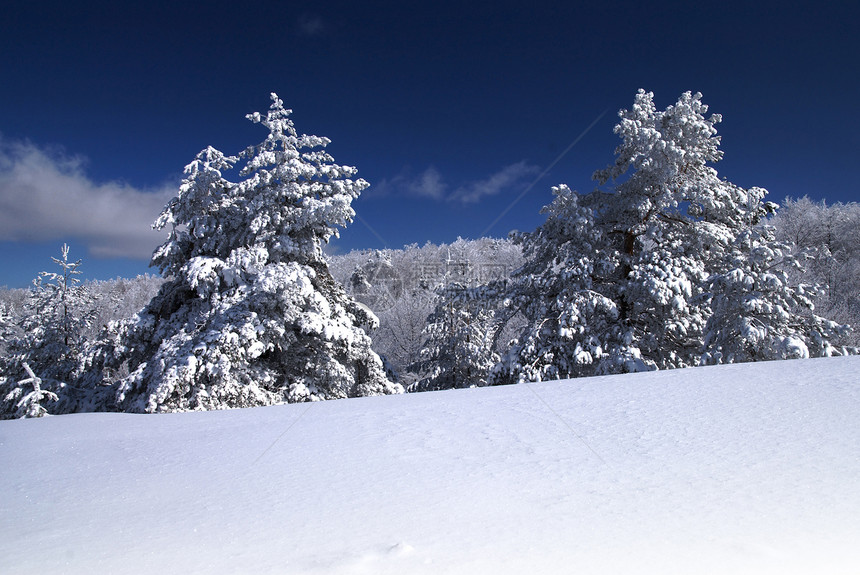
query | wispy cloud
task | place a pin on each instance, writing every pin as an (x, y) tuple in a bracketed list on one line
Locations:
[(427, 184), (431, 185), (311, 25), (45, 196), (501, 180)]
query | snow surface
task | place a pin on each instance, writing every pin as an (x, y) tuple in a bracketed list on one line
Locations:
[(732, 469)]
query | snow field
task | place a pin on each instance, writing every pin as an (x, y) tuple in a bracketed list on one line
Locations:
[(750, 468)]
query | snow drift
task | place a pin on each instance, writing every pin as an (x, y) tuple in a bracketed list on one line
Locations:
[(732, 469)]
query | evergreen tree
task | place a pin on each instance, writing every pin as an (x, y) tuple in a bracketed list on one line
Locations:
[(624, 280), (43, 359), (457, 351), (670, 221), (29, 403), (572, 328), (758, 314), (250, 315)]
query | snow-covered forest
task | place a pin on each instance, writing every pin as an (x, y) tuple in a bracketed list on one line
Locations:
[(665, 265)]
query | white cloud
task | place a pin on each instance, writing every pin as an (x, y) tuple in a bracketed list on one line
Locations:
[(430, 184), (46, 196), (505, 178)]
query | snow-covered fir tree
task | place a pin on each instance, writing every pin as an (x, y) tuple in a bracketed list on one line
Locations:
[(758, 313), (571, 328), (42, 359), (672, 220), (616, 281), (458, 347), (250, 315), (29, 396)]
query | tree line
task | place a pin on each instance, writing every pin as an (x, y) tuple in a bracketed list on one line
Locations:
[(665, 265)]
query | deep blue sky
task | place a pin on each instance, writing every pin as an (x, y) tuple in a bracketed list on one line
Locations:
[(436, 103)]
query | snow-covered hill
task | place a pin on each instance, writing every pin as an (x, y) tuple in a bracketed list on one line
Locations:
[(733, 469)]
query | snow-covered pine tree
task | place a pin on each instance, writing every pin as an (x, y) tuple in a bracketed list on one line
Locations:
[(43, 359), (614, 280), (28, 396), (758, 313), (251, 315), (571, 328), (672, 220), (457, 350)]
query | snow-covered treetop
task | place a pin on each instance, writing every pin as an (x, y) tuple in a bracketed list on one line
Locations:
[(296, 199), (204, 217), (289, 202), (65, 279), (60, 302), (679, 136), (668, 155)]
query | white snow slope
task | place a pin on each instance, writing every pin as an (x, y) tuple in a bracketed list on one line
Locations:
[(734, 469)]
